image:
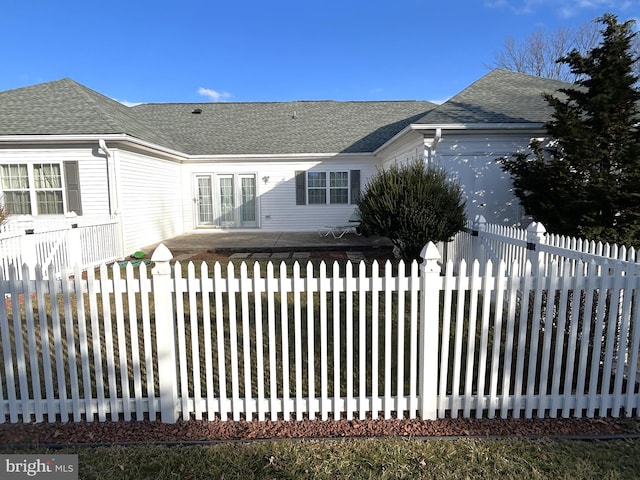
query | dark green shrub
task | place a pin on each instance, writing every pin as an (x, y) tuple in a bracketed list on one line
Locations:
[(411, 205)]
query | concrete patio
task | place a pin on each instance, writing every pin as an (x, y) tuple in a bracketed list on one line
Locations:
[(255, 241)]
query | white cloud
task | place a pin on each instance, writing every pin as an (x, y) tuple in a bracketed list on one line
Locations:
[(571, 8), (126, 103), (564, 8), (213, 95)]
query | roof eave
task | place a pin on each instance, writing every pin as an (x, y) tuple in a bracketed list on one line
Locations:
[(425, 127), (76, 139), (478, 126), (57, 139), (398, 135), (278, 156), (123, 138)]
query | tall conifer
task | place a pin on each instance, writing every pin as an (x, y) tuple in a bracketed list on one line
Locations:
[(587, 182)]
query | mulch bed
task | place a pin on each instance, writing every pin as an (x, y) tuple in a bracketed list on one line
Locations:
[(194, 431)]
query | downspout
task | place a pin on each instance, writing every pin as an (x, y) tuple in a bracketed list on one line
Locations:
[(102, 146), (112, 194), (430, 146)]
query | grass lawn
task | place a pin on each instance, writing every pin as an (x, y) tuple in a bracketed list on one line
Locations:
[(374, 458)]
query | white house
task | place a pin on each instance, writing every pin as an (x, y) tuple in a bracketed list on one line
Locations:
[(172, 168)]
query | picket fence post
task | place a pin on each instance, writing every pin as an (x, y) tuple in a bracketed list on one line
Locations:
[(429, 332), (478, 249), (535, 237), (74, 244), (165, 334), (28, 250)]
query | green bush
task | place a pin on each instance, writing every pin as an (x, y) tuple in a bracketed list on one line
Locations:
[(411, 205)]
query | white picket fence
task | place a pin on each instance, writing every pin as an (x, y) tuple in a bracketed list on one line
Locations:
[(352, 341), (514, 246), (86, 241)]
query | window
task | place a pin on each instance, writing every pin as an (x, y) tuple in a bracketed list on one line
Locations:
[(336, 190), (48, 188), (339, 187), (317, 190), (15, 188), (321, 188), (32, 189)]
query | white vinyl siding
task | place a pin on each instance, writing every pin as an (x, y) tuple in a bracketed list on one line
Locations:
[(92, 172), (470, 159), (276, 189), (403, 150), (149, 198)]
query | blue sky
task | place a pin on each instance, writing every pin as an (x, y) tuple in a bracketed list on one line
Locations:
[(273, 50)]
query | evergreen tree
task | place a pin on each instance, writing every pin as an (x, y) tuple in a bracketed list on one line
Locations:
[(587, 181)]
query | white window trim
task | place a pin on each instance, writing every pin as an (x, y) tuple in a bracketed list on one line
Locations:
[(327, 186), (33, 190)]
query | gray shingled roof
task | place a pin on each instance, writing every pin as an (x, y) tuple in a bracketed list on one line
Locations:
[(65, 107), (290, 127), (500, 96)]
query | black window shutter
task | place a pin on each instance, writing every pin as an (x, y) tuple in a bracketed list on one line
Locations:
[(72, 186), (301, 188), (355, 185)]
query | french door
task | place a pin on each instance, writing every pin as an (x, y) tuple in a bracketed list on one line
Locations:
[(248, 205), (204, 200), (226, 200)]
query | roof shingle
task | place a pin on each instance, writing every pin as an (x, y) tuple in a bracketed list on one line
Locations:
[(500, 96), (281, 128), (65, 107)]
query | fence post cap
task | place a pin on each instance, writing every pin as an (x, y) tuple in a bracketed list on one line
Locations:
[(430, 252), (536, 227), (161, 254)]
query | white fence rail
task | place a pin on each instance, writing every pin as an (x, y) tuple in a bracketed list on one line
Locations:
[(311, 342), (514, 246), (84, 241)]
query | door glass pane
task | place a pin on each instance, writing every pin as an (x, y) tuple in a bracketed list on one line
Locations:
[(226, 200), (205, 201), (248, 210)]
